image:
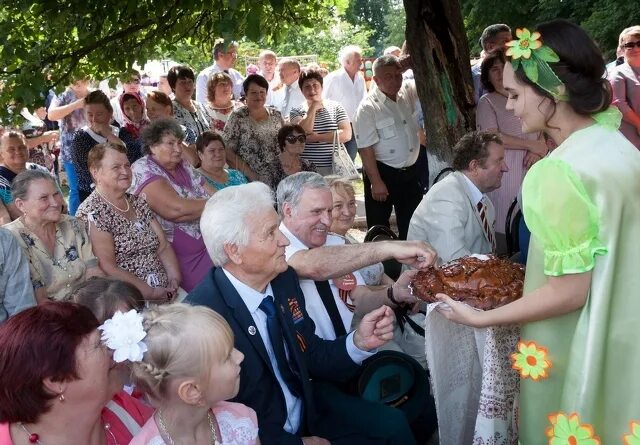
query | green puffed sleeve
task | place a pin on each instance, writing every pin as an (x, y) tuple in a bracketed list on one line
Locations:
[(561, 215)]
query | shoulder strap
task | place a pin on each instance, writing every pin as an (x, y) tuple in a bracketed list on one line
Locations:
[(443, 173), (330, 305)]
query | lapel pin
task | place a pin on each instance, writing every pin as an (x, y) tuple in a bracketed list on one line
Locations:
[(252, 330)]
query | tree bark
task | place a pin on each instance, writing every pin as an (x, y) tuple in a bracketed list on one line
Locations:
[(439, 50)]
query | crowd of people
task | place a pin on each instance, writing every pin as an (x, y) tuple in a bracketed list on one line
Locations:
[(201, 284)]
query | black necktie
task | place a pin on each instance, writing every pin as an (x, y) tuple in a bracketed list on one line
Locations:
[(324, 289), (277, 343)]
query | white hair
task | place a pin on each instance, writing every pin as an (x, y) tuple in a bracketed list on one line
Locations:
[(291, 188), (391, 50), (347, 52), (225, 218), (266, 53)]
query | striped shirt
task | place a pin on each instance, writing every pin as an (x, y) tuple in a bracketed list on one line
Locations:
[(327, 120)]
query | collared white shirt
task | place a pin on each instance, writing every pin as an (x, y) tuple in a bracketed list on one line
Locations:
[(313, 302), (295, 99), (269, 102), (203, 78), (338, 86), (252, 299), (389, 127), (476, 194)]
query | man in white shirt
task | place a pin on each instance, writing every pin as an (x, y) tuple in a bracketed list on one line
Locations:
[(305, 203), (387, 135), (456, 216), (288, 94), (267, 63), (346, 86), (225, 58)]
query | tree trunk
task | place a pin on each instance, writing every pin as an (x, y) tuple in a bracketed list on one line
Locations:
[(439, 50)]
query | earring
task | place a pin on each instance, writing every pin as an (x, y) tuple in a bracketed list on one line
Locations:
[(61, 397)]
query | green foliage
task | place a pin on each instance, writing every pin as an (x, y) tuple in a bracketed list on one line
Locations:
[(325, 42), (370, 14), (603, 19), (47, 43), (395, 25)]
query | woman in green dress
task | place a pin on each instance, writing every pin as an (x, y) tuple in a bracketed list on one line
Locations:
[(578, 355)]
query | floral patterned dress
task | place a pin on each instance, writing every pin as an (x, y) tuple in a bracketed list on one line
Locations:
[(220, 116), (580, 370), (255, 142), (196, 123), (71, 258), (134, 241)]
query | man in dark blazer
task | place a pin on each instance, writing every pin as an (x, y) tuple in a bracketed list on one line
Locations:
[(240, 230)]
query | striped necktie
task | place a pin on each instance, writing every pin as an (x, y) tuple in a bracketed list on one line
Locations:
[(482, 209)]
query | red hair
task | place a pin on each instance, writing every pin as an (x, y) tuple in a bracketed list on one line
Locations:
[(37, 343)]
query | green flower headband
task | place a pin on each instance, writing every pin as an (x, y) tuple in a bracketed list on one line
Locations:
[(528, 51)]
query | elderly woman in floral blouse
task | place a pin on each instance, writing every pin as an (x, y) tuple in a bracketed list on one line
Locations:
[(126, 237), (56, 245)]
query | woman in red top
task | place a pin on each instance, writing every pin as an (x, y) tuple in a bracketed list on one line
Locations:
[(55, 381)]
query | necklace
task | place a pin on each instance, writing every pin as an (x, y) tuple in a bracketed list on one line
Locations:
[(113, 205), (35, 438), (165, 431)]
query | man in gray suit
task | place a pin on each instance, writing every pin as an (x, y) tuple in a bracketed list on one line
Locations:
[(455, 216)]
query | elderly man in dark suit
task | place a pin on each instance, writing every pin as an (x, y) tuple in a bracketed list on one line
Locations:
[(259, 295)]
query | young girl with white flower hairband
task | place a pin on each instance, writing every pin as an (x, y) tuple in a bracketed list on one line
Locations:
[(183, 358)]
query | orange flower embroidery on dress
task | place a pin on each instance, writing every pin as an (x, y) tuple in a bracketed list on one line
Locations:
[(567, 430), (634, 437), (531, 361)]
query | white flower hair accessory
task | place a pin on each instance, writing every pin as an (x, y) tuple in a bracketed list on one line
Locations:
[(124, 333)]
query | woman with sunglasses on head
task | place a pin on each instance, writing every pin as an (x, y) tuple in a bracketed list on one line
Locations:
[(576, 357), (626, 84), (291, 140)]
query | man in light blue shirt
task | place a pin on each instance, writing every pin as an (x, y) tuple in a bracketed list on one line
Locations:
[(16, 291)]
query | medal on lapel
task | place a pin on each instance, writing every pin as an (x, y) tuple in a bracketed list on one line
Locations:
[(346, 282), (345, 285)]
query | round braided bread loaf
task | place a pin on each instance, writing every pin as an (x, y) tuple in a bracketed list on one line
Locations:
[(483, 282)]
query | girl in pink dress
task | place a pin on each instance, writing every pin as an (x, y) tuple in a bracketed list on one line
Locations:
[(188, 371)]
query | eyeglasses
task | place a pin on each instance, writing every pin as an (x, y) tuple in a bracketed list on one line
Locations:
[(631, 45), (134, 80), (293, 139)]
